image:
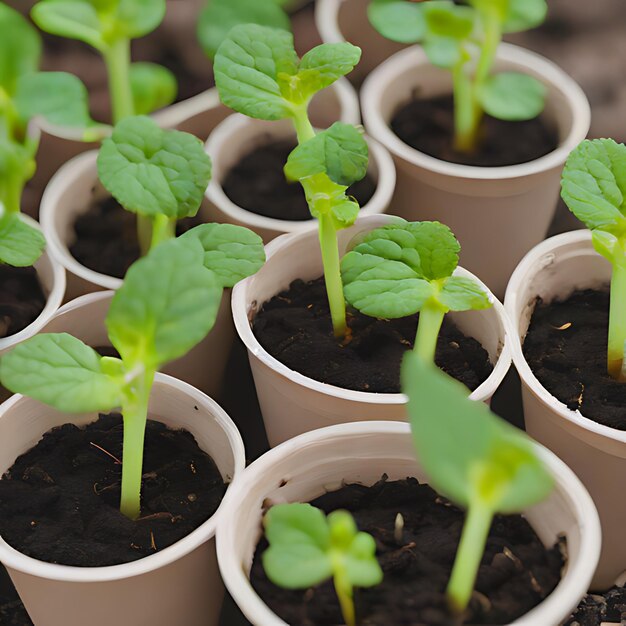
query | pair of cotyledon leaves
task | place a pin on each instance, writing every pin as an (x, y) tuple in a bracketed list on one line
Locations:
[(394, 270), (445, 30), (469, 455), (166, 305)]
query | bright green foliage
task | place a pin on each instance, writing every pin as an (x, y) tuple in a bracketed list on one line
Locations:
[(452, 35), (307, 548), (405, 268), (471, 457), (20, 244), (593, 186), (258, 73), (153, 87), (220, 16), (160, 174), (167, 304)]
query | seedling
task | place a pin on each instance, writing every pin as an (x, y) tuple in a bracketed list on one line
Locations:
[(472, 457), (160, 175), (405, 268), (166, 305), (594, 188), (452, 37), (259, 74), (307, 548), (26, 93)]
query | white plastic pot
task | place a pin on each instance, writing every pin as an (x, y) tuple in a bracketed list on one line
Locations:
[(52, 279), (310, 465), (497, 213), (178, 585), (292, 403), (597, 453), (346, 20), (202, 367), (238, 135)]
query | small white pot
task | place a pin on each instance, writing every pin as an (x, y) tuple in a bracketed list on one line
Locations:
[(310, 465), (179, 585), (292, 403), (202, 367), (52, 278), (597, 453), (497, 213), (238, 135), (346, 20)]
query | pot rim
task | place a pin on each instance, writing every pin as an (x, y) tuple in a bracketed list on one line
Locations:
[(579, 238), (413, 57), (240, 306), (385, 185), (14, 559), (53, 299), (574, 582)]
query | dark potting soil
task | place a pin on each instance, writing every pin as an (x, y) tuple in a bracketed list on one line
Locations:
[(595, 609), (516, 574), (59, 502), (295, 327), (428, 126), (258, 184), (21, 298), (106, 237), (566, 347)]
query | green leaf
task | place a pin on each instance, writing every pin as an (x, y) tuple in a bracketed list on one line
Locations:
[(398, 20), (20, 244), (59, 97), (463, 294), (344, 213), (524, 15), (231, 252), (383, 288), (341, 152), (152, 171), (299, 539), (167, 304), (247, 68), (20, 48), (74, 19), (468, 453), (325, 64), (136, 18), (593, 184), (153, 87), (220, 16), (61, 371), (446, 19), (443, 51), (512, 96)]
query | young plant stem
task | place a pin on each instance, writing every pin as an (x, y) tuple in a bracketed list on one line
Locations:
[(332, 274), (303, 126), (163, 229), (428, 327), (135, 414), (464, 110), (344, 592), (617, 323), (468, 556)]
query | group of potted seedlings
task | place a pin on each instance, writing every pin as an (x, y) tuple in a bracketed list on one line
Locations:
[(391, 493)]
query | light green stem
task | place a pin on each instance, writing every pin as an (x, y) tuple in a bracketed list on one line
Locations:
[(163, 229), (468, 556), (617, 323), (303, 126), (332, 274), (428, 327), (135, 414), (117, 59), (344, 591)]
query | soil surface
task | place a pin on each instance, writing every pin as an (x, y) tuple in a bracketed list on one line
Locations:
[(516, 574), (566, 347), (295, 327), (21, 298), (59, 502), (428, 126), (106, 237), (258, 184), (596, 609)]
